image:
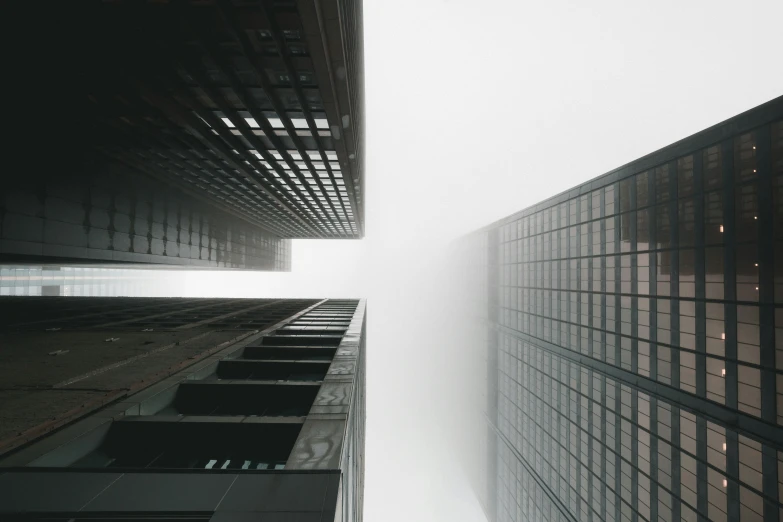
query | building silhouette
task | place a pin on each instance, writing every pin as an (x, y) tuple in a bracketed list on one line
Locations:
[(635, 338), (181, 409), (196, 134)]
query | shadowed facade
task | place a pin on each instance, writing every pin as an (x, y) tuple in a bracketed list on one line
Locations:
[(195, 409), (201, 134)]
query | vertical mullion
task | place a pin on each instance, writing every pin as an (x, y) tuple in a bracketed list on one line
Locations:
[(732, 471), (618, 437), (701, 464), (653, 457), (579, 260), (652, 219), (603, 276), (634, 286), (617, 279), (730, 280), (767, 315), (635, 452), (730, 296), (674, 283), (699, 278), (676, 461), (766, 275)]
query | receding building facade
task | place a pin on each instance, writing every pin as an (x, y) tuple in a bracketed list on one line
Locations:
[(196, 134), (182, 409), (78, 281), (635, 339)]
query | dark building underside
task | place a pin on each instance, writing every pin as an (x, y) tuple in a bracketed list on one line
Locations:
[(136, 122)]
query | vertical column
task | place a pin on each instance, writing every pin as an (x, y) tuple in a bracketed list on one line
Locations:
[(132, 202), (653, 280), (634, 283), (762, 139), (653, 458), (112, 211), (730, 296), (578, 291), (635, 451), (676, 460), (674, 288), (590, 279), (602, 401), (602, 252), (732, 470), (766, 275), (617, 277), (700, 276), (701, 464), (730, 280), (86, 195), (618, 437)]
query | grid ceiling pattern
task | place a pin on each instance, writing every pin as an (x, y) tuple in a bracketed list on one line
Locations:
[(223, 100)]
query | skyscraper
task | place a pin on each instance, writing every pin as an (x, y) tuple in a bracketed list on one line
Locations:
[(187, 409), (635, 338), (200, 134), (54, 280)]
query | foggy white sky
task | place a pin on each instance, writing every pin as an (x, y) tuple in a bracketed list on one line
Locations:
[(476, 110)]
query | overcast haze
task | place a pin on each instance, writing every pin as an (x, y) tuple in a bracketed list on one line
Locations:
[(475, 110)]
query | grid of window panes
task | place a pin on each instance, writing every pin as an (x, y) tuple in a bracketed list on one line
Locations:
[(254, 106), (519, 496), (611, 452), (673, 275), (83, 281), (259, 94), (313, 182)]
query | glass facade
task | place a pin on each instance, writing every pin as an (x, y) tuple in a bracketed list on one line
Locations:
[(89, 281), (229, 129), (636, 338), (106, 219), (199, 134)]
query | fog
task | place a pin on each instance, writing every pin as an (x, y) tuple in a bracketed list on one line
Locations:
[(475, 110)]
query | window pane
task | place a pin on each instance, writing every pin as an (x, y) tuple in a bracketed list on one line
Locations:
[(744, 158), (713, 168), (685, 181)]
